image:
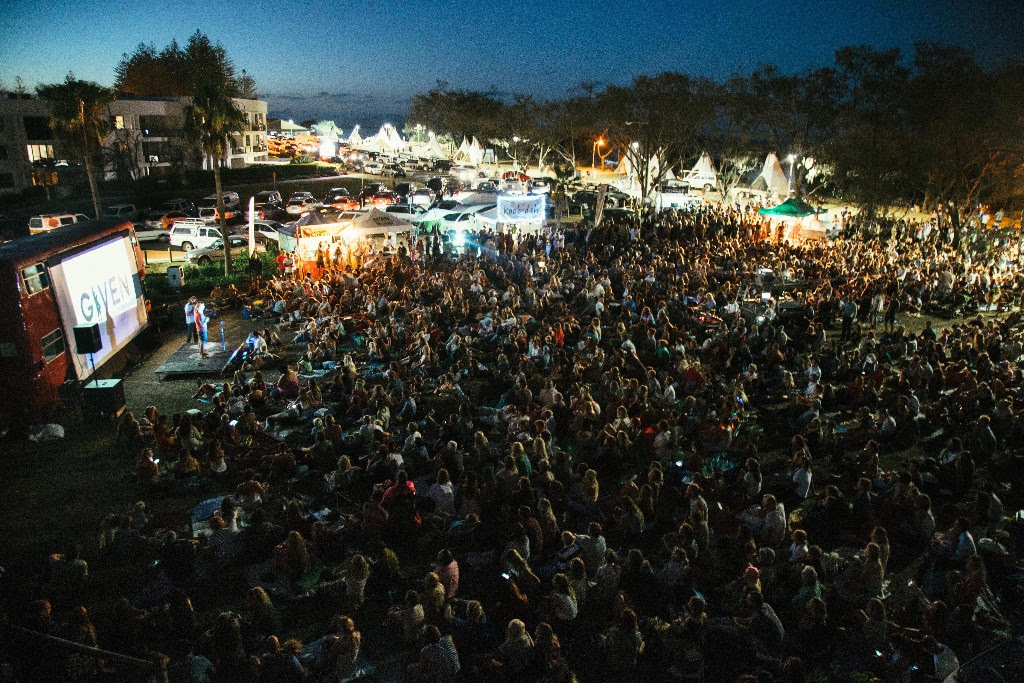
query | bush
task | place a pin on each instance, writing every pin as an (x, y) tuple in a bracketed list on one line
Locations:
[(201, 280)]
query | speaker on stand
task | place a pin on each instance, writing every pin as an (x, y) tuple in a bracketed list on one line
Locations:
[(104, 396)]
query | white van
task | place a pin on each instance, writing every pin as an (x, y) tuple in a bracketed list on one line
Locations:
[(49, 221), (193, 233)]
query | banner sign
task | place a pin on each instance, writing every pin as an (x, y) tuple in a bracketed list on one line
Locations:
[(521, 209), (252, 225), (602, 192)]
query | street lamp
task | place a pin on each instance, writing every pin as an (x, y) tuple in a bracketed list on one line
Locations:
[(792, 160), (593, 154)]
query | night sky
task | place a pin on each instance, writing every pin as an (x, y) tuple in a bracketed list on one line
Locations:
[(358, 62)]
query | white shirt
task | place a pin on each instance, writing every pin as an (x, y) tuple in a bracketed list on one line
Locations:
[(802, 479)]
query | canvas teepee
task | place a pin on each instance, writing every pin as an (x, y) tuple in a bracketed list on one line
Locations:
[(772, 178)]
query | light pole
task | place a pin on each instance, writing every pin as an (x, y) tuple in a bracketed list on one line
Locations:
[(792, 160), (593, 155)]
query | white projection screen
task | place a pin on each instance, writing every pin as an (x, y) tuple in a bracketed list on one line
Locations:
[(100, 285)]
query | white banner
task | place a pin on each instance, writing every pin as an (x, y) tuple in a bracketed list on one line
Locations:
[(521, 209), (252, 226)]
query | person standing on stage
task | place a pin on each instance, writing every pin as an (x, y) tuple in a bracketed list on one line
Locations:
[(201, 321), (190, 321)]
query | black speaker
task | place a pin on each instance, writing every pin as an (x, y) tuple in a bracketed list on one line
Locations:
[(105, 396), (87, 339)]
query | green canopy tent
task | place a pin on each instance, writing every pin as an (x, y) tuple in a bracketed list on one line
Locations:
[(791, 208)]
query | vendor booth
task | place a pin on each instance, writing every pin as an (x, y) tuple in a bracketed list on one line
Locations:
[(378, 228), (516, 215), (800, 218)]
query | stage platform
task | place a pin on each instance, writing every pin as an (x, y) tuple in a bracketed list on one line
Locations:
[(185, 362)]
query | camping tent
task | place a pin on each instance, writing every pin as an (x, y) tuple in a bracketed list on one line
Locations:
[(772, 179), (793, 207), (705, 165)]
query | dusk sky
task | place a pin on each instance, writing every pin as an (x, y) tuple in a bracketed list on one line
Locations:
[(359, 62)]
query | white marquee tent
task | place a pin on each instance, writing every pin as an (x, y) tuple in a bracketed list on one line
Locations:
[(376, 223)]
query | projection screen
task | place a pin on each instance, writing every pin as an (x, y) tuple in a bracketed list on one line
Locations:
[(100, 285)]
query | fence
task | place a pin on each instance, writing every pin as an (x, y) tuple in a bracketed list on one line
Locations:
[(35, 656)]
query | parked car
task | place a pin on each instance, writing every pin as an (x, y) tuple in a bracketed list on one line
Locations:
[(192, 233), (394, 171), (703, 180), (340, 199), (382, 198), (266, 232), (215, 252), (157, 225), (542, 185), (422, 196), (209, 215), (231, 200), (49, 221), (442, 220), (515, 175), (267, 201), (301, 205), (405, 212), (466, 173), (373, 168), (371, 189), (126, 211), (403, 190), (183, 205)]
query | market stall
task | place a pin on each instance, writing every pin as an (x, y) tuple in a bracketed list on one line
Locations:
[(800, 220)]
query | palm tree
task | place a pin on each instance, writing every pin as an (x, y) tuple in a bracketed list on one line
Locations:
[(210, 120), (79, 116), (565, 182)]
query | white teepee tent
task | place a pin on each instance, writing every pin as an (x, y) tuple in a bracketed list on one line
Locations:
[(475, 152), (705, 164), (772, 178)]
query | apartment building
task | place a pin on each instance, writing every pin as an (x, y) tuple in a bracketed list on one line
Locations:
[(145, 140)]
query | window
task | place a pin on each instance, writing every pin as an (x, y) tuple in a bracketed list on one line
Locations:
[(6, 181), (53, 345), (38, 128), (35, 278), (39, 152), (118, 123)]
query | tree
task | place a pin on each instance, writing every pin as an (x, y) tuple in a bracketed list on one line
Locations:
[(176, 72), (966, 129), (247, 87), (655, 123), (79, 116), (210, 120), (870, 140)]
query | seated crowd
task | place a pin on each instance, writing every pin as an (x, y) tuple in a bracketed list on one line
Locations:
[(608, 453)]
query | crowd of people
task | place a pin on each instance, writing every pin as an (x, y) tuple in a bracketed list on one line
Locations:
[(675, 447)]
